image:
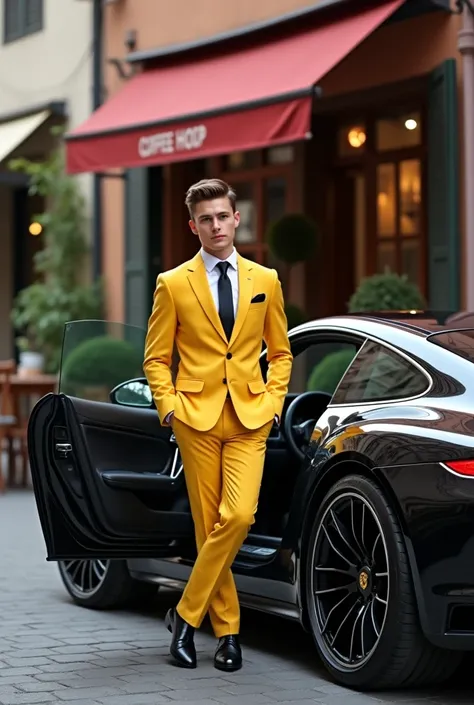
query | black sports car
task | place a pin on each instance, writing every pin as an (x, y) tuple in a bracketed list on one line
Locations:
[(365, 527)]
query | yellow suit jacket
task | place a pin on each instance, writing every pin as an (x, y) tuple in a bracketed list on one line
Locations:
[(184, 314)]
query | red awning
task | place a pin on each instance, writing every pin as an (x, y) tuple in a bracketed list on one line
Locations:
[(257, 97)]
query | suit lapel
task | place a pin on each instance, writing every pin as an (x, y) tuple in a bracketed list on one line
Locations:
[(197, 277), (245, 295)]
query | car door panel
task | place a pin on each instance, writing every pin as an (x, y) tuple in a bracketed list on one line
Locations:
[(126, 448), (101, 480), (102, 414)]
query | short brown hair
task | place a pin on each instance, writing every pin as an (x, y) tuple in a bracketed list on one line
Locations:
[(207, 189)]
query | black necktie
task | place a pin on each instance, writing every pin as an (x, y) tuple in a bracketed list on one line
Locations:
[(226, 302)]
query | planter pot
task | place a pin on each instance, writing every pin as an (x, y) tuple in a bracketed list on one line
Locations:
[(30, 364)]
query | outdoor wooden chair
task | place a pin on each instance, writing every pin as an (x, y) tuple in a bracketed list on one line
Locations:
[(7, 417)]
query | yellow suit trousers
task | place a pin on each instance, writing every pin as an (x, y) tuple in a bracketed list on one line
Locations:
[(223, 470)]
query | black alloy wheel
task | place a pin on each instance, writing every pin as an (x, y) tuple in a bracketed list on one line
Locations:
[(103, 584), (360, 598)]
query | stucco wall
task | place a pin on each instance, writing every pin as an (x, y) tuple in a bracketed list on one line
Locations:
[(402, 49), (54, 64), (159, 23)]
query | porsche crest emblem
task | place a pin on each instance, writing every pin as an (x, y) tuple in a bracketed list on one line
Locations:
[(363, 580)]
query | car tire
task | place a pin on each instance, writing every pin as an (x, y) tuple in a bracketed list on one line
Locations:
[(357, 561), (103, 584)]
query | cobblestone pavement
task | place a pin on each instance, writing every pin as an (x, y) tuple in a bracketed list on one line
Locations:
[(52, 651)]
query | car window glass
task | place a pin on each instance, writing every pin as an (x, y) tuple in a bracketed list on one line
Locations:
[(380, 374), (99, 355), (319, 366)]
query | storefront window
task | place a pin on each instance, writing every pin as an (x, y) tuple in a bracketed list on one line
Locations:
[(376, 193), (263, 181), (399, 217), (398, 132), (241, 161), (283, 154), (275, 198), (410, 196), (387, 257), (386, 200), (411, 258), (247, 230)]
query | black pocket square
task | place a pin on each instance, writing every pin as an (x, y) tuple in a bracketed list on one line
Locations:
[(258, 299)]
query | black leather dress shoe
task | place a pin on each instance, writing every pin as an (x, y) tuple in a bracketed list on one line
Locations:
[(182, 647), (228, 654)]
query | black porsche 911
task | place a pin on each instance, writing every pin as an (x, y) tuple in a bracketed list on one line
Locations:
[(365, 527)]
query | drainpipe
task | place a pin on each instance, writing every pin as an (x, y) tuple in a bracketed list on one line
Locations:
[(466, 47), (97, 21)]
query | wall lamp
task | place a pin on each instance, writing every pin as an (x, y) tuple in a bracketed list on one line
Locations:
[(119, 65), (460, 4)]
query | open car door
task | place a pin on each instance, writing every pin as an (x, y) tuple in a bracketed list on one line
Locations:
[(107, 476)]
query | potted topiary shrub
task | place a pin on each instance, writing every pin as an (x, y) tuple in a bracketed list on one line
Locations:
[(31, 359), (93, 368), (386, 292), (294, 315), (292, 239), (327, 374)]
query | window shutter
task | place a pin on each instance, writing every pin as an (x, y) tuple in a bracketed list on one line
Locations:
[(443, 189), (33, 14), (11, 19)]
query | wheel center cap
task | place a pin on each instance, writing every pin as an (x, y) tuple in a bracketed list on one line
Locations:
[(365, 581)]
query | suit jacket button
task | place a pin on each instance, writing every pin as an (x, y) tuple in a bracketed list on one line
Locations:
[(229, 356), (224, 381)]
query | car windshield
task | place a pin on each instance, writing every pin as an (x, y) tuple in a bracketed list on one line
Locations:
[(97, 356), (460, 342)]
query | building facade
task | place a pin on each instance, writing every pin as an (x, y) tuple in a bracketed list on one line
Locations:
[(377, 161), (45, 80)]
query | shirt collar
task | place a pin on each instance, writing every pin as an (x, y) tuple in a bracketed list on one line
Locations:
[(210, 261)]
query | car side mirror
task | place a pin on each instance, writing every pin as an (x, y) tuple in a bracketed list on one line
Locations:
[(134, 392)]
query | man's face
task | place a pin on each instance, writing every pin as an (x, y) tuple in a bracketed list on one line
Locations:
[(214, 223)]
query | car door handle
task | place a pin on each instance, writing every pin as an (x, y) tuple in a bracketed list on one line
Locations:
[(63, 449)]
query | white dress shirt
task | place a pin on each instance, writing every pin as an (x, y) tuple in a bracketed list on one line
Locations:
[(213, 273)]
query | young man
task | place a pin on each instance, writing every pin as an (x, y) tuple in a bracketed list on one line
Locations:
[(216, 309)]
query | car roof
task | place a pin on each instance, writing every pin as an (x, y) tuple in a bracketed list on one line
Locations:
[(413, 334), (421, 323)]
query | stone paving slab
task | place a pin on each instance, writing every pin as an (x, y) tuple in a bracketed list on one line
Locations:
[(52, 651)]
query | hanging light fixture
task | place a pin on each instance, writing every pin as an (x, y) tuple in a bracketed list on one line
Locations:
[(356, 137), (35, 229)]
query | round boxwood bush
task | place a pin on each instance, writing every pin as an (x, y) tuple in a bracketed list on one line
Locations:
[(294, 315), (292, 238), (327, 374), (386, 292), (100, 362)]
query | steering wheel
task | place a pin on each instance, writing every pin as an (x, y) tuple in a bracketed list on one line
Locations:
[(298, 435)]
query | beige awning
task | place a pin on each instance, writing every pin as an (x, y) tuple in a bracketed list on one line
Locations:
[(15, 132)]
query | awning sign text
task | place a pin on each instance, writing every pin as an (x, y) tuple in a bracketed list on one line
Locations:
[(171, 141)]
